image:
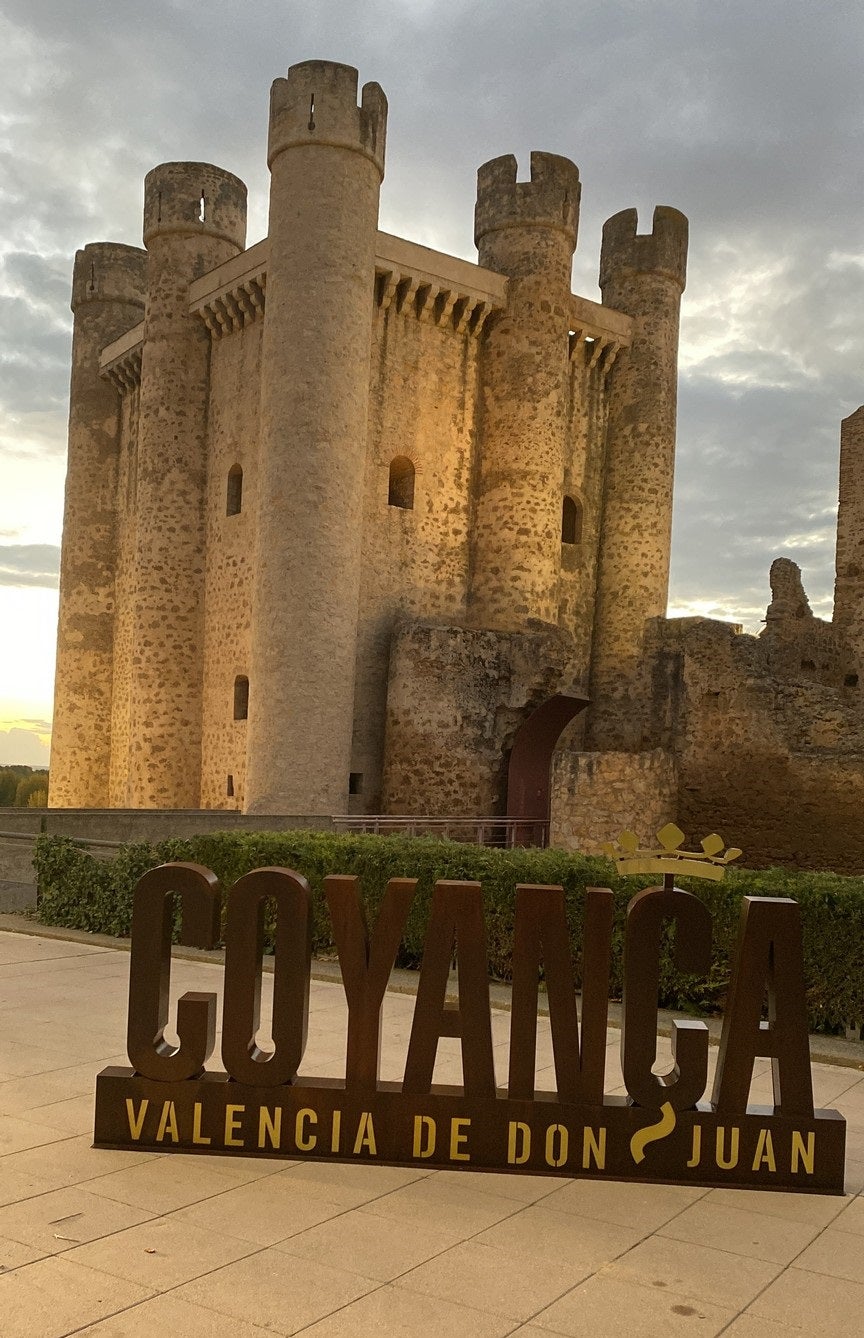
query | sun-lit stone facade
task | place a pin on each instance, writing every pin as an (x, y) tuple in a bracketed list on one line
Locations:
[(353, 525), (337, 498)]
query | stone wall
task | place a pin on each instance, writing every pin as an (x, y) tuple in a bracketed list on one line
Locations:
[(849, 580), (119, 793), (591, 363), (769, 738), (107, 297), (194, 220), (596, 796), (456, 698), (644, 276), (415, 559), (527, 231), (235, 361)]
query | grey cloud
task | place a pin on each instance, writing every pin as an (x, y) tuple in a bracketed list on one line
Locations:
[(29, 564), (42, 279), (747, 117), (756, 479)]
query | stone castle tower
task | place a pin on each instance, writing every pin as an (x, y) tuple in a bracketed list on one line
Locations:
[(351, 523)]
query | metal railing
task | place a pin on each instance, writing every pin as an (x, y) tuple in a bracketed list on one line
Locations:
[(504, 833)]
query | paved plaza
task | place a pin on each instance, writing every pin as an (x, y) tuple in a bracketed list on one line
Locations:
[(131, 1243)]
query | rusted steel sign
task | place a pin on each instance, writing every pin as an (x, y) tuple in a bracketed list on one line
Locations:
[(665, 1129)]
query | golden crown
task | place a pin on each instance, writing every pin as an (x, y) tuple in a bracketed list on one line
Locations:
[(670, 858)]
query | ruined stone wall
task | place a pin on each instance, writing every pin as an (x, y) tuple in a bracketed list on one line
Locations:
[(769, 755), (456, 698), (849, 582), (596, 796), (235, 372)]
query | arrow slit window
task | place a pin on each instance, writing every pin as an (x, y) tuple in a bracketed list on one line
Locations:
[(571, 521), (401, 491)]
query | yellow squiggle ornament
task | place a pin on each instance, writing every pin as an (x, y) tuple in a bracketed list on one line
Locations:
[(652, 1133)]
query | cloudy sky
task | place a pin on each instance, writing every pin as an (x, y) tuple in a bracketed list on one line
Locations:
[(748, 117)]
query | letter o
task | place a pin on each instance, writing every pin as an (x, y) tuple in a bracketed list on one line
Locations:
[(150, 973), (559, 1132), (244, 946)]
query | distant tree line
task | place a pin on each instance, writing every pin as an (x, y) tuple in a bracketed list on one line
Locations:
[(23, 787)]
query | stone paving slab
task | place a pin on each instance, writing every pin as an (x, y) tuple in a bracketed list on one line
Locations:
[(121, 1244)]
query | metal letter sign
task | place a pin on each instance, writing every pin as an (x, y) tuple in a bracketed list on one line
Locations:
[(663, 1130)]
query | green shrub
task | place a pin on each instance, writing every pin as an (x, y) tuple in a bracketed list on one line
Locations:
[(79, 891), (85, 893)]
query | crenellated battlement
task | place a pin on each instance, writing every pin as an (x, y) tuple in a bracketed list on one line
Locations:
[(316, 103), (549, 199), (194, 199), (661, 251), (109, 272)]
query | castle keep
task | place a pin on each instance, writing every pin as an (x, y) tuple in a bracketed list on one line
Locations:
[(353, 525)]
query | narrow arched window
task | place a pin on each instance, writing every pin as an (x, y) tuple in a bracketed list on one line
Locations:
[(401, 483), (234, 496), (571, 521), (241, 697)]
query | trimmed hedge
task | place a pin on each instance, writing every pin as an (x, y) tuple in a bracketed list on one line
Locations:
[(82, 892)]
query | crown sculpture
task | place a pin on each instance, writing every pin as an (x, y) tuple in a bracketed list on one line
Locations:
[(670, 859)]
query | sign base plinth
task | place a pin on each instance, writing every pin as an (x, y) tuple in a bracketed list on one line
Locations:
[(318, 1119)]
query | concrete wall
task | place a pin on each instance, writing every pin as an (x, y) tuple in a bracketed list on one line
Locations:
[(108, 828), (147, 824)]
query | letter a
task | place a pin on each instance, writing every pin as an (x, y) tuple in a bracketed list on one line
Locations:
[(769, 957), (457, 914)]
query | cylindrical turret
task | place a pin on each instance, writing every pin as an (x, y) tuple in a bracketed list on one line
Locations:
[(326, 158), (849, 579), (526, 230), (644, 277), (107, 300), (194, 219)]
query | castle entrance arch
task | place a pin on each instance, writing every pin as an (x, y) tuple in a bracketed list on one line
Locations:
[(528, 773)]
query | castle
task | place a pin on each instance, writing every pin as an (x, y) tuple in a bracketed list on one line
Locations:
[(353, 525)]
